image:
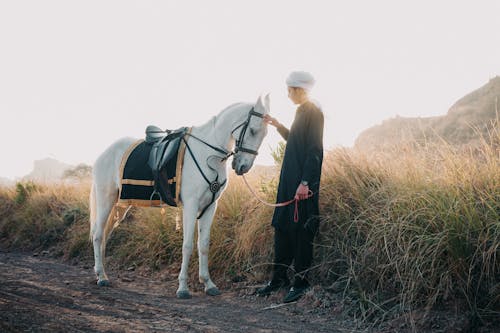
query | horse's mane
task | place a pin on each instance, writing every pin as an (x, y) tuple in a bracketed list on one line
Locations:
[(226, 109)]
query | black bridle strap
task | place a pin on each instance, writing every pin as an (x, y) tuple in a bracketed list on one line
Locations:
[(255, 113), (204, 177), (195, 161), (246, 150), (239, 142), (225, 152)]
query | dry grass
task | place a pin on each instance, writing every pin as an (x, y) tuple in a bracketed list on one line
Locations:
[(403, 230), (413, 227)]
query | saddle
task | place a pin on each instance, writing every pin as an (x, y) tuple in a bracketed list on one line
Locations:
[(154, 133), (163, 157), (165, 144)]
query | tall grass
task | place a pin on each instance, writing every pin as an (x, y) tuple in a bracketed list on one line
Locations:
[(413, 228), (37, 216), (416, 227)]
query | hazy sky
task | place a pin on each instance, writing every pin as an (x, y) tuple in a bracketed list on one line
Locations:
[(77, 75)]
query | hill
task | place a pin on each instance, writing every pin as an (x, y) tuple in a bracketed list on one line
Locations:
[(6, 181), (466, 121), (47, 170)]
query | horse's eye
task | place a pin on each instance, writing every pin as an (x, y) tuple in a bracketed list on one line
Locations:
[(252, 132)]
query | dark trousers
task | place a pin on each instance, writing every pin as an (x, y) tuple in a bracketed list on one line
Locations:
[(293, 245)]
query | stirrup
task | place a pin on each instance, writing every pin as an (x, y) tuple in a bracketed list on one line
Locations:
[(152, 197)]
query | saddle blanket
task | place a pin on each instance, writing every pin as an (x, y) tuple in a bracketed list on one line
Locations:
[(137, 186)]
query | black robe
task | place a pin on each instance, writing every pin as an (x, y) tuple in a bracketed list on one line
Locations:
[(302, 161)]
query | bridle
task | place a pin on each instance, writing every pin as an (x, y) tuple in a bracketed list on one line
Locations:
[(239, 143), (215, 185)]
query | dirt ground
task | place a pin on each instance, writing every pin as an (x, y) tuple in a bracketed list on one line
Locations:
[(40, 294)]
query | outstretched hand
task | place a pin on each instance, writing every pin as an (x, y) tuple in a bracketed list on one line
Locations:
[(271, 121)]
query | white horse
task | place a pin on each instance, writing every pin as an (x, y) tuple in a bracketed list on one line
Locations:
[(239, 127)]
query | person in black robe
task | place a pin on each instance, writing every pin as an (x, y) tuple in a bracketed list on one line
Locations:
[(299, 178)]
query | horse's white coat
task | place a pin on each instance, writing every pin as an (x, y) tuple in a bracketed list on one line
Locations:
[(195, 193)]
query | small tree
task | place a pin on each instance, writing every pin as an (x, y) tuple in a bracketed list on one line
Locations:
[(80, 172), (278, 153)]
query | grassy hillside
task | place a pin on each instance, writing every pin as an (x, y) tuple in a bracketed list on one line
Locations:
[(401, 231), (469, 119)]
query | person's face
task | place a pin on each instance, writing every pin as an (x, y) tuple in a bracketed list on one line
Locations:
[(296, 95)]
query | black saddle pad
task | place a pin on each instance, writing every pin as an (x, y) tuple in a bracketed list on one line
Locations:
[(137, 181)]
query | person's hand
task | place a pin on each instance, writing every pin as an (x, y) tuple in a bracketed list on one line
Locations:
[(302, 192), (271, 121)]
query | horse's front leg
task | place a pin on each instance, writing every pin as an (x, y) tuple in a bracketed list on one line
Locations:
[(188, 223), (204, 226)]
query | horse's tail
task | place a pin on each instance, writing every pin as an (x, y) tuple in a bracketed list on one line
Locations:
[(113, 220), (92, 207)]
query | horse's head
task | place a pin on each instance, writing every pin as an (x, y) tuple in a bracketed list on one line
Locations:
[(249, 136)]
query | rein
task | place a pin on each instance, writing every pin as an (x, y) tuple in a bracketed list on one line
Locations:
[(281, 204), (239, 143), (217, 149)]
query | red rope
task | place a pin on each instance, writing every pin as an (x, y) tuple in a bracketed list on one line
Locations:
[(281, 204)]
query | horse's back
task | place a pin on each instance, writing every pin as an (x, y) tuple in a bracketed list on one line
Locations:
[(106, 170)]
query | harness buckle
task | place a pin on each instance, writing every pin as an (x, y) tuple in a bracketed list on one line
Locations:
[(214, 186)]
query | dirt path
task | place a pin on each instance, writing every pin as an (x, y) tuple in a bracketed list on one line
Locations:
[(39, 294)]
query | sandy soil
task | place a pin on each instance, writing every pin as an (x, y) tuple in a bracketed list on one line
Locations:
[(40, 294)]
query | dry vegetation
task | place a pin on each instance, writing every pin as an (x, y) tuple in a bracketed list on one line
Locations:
[(402, 233)]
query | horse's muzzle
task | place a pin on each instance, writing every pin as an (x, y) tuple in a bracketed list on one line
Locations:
[(240, 168)]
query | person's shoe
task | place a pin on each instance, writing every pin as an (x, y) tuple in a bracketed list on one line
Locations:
[(294, 294), (271, 287)]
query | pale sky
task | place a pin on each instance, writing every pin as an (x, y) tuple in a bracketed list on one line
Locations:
[(77, 75)]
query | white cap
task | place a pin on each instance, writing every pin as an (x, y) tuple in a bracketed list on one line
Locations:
[(300, 79)]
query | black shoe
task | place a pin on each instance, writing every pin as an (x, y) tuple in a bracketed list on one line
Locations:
[(294, 294), (271, 287)]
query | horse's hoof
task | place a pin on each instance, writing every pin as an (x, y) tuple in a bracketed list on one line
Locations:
[(213, 291), (183, 294), (103, 283)]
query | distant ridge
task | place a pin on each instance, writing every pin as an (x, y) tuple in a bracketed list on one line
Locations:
[(469, 118), (47, 170), (6, 181)]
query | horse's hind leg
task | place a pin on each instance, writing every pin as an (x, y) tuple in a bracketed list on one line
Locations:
[(104, 220)]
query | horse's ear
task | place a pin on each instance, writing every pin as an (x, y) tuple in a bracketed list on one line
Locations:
[(267, 102), (263, 102), (260, 103)]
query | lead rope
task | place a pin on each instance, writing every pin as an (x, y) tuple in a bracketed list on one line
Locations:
[(281, 204)]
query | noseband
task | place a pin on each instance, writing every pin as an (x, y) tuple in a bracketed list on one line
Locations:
[(239, 142)]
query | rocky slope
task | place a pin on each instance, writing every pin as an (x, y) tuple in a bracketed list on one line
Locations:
[(467, 120)]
